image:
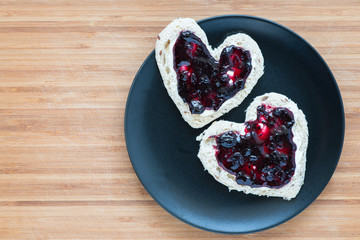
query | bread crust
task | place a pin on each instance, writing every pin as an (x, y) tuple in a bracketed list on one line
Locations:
[(300, 130), (165, 60)]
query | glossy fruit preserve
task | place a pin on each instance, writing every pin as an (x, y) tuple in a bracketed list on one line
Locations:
[(203, 82), (265, 155)]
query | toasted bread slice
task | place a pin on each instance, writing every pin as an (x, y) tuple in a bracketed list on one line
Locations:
[(207, 152), (165, 61)]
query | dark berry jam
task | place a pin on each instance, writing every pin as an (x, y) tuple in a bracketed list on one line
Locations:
[(265, 155), (203, 82)]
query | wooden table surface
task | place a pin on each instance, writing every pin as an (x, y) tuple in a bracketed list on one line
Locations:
[(66, 68)]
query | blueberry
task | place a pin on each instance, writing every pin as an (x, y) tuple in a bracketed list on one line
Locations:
[(193, 79), (283, 160), (277, 112), (221, 93), (266, 169), (235, 165), (224, 78), (262, 177), (195, 94), (247, 152), (196, 107), (217, 84), (204, 80), (185, 34), (271, 146), (237, 157), (253, 158), (243, 179), (290, 124), (261, 109), (274, 155), (228, 140), (270, 177)]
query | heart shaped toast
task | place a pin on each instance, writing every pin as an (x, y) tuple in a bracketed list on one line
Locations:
[(266, 155), (205, 83)]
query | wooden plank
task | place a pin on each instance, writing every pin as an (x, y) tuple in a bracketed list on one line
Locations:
[(66, 66)]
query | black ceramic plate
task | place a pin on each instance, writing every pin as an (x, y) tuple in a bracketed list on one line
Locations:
[(163, 149)]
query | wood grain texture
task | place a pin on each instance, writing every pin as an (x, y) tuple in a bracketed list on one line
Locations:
[(65, 71)]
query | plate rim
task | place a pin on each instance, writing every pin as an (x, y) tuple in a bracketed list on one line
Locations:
[(341, 137)]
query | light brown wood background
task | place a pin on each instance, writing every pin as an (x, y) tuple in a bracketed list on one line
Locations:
[(65, 71)]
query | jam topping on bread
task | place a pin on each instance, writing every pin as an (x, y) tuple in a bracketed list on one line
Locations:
[(265, 155), (203, 82)]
